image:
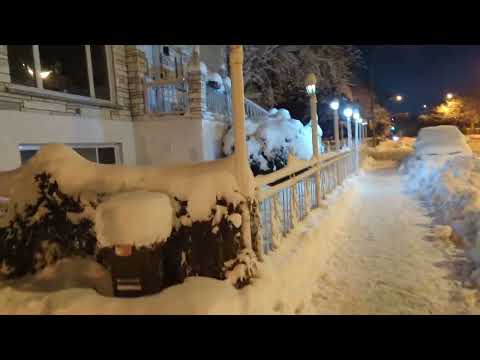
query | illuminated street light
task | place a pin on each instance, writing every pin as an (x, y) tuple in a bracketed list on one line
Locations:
[(424, 106), (334, 105), (348, 112), (310, 84), (398, 98), (449, 96)]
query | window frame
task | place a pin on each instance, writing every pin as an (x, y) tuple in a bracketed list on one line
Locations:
[(116, 146), (40, 91)]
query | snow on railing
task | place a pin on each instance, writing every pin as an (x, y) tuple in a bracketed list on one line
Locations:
[(221, 103), (254, 111), (166, 97), (285, 197)]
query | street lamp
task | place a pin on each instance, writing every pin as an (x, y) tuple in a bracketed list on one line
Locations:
[(348, 112), (335, 105), (449, 96), (310, 86), (357, 118), (398, 98)]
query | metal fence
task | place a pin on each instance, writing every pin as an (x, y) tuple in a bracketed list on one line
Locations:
[(283, 205)]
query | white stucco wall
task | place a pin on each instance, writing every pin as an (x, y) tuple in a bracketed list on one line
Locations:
[(38, 128), (213, 132), (177, 140)]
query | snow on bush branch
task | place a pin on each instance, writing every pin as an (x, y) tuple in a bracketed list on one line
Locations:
[(270, 141)]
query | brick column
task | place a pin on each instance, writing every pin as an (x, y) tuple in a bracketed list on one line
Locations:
[(136, 69), (4, 69), (197, 90)]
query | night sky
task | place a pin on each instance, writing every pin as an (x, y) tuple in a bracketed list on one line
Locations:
[(424, 74)]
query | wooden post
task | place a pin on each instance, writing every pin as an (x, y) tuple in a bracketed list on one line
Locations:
[(242, 166)]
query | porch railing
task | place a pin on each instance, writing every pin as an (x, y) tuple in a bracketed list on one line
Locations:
[(281, 205), (221, 103), (166, 96)]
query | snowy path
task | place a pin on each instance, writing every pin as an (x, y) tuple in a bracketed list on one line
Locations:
[(384, 262)]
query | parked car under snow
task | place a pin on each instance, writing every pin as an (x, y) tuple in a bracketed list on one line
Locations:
[(441, 140)]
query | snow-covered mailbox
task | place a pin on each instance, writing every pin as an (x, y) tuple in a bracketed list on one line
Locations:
[(134, 224)]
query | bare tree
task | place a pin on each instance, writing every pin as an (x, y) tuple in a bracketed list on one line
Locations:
[(274, 73)]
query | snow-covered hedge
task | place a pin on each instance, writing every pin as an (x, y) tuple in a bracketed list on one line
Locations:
[(271, 139), (58, 198)]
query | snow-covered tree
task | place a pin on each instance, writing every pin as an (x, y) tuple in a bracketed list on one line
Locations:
[(275, 73), (383, 120)]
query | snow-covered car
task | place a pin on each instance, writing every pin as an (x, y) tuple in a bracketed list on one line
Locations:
[(441, 140)]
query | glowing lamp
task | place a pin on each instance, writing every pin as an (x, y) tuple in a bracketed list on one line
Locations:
[(348, 112), (334, 105), (310, 84)]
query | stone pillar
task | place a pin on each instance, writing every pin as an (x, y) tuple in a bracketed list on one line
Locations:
[(136, 69), (197, 90), (4, 68)]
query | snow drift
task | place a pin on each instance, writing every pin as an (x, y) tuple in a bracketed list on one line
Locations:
[(446, 176)]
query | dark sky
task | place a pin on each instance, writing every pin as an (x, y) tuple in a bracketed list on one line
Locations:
[(424, 74)]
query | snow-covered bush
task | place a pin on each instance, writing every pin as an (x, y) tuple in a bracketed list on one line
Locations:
[(272, 139), (51, 228), (176, 213)]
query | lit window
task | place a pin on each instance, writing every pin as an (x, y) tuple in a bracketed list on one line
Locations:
[(73, 69)]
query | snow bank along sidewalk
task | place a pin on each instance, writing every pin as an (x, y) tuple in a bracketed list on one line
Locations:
[(446, 177)]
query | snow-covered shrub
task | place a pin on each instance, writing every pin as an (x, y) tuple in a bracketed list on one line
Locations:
[(53, 227), (61, 209), (272, 139)]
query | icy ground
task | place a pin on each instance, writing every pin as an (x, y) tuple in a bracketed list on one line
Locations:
[(386, 258)]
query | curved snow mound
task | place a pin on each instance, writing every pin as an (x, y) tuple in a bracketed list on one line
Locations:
[(273, 138), (390, 150), (441, 140), (115, 225), (77, 176)]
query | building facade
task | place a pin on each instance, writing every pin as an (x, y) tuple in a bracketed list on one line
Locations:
[(130, 104)]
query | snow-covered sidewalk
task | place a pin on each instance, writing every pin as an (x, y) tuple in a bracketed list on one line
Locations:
[(386, 260)]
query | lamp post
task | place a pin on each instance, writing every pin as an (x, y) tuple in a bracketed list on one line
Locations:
[(348, 112), (310, 86), (356, 117), (334, 105)]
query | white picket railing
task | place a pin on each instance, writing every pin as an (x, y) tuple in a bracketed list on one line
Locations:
[(288, 195), (166, 97)]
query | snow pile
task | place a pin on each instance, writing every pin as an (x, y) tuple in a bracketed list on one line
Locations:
[(75, 272), (272, 139), (152, 225), (77, 176), (196, 296), (392, 150), (447, 179)]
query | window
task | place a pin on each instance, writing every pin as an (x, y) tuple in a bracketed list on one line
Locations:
[(99, 153), (20, 61), (72, 69)]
